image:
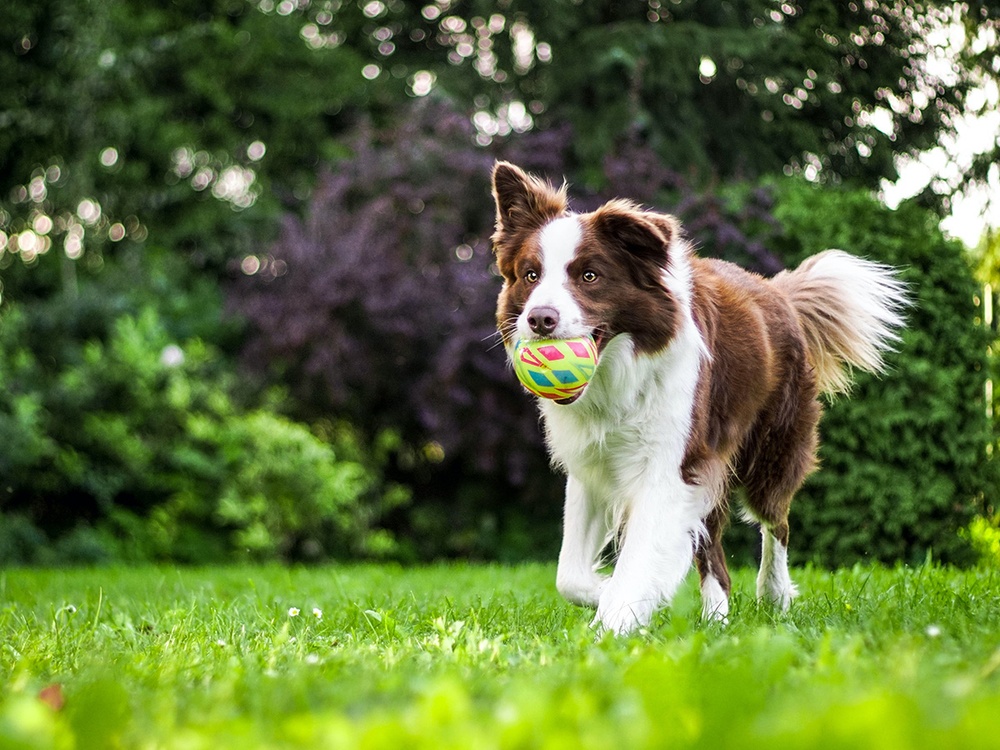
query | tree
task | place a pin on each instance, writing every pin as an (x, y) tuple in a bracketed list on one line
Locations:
[(189, 123), (195, 123), (979, 59), (749, 88)]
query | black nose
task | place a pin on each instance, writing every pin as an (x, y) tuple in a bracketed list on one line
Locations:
[(543, 320)]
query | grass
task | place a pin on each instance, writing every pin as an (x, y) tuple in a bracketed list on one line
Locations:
[(485, 656)]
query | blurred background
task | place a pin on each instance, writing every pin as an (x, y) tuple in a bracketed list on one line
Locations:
[(247, 292)]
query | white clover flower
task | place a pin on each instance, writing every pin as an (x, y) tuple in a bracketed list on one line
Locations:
[(293, 611), (933, 631)]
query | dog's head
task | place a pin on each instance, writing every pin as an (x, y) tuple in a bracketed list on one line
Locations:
[(568, 275)]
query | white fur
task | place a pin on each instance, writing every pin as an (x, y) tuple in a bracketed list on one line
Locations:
[(559, 240), (874, 296), (851, 311), (714, 600), (773, 581), (587, 530), (622, 444)]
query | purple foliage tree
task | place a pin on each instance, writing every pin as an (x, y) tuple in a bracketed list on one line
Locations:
[(379, 302)]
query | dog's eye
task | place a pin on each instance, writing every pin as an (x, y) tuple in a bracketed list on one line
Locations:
[(531, 277), (589, 276)]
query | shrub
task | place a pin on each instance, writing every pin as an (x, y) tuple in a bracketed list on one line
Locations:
[(378, 305), (133, 447), (984, 535), (903, 458)]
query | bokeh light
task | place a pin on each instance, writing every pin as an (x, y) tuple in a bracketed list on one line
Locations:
[(109, 157), (422, 82), (89, 211), (256, 151)]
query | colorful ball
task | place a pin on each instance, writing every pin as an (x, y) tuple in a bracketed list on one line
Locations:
[(558, 369)]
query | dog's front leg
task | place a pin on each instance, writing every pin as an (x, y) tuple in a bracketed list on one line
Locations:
[(586, 530), (656, 554)]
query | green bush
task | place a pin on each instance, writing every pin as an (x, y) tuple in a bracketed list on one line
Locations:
[(904, 465), (134, 448), (984, 535)]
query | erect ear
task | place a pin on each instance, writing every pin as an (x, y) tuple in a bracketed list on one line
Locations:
[(523, 201), (645, 235)]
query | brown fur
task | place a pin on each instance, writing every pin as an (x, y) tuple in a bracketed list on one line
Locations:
[(524, 203), (757, 411)]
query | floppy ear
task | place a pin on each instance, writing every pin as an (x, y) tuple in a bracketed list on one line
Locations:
[(643, 235), (523, 201), (668, 225)]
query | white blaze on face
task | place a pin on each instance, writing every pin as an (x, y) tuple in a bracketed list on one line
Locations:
[(558, 240)]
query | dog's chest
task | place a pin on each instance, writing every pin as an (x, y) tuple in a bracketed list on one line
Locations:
[(610, 457), (631, 427)]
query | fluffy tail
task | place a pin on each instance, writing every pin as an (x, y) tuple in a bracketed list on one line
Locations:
[(850, 310)]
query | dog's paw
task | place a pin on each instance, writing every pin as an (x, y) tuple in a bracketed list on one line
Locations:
[(783, 599), (779, 594), (718, 615), (586, 593), (621, 617), (714, 601)]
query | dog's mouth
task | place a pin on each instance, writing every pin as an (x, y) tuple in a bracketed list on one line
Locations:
[(601, 338)]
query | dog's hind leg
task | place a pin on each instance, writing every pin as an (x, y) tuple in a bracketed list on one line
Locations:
[(784, 456), (768, 500), (711, 561), (774, 582)]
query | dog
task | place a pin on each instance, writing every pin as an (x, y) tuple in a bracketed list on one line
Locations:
[(709, 377)]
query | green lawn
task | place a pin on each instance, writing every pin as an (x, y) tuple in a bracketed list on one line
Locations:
[(485, 656)]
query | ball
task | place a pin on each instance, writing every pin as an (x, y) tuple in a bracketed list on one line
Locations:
[(558, 369)]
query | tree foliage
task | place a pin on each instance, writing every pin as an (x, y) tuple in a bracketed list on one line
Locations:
[(171, 121), (193, 123), (745, 89), (979, 59)]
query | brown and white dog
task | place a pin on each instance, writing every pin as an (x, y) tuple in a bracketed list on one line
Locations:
[(709, 376)]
